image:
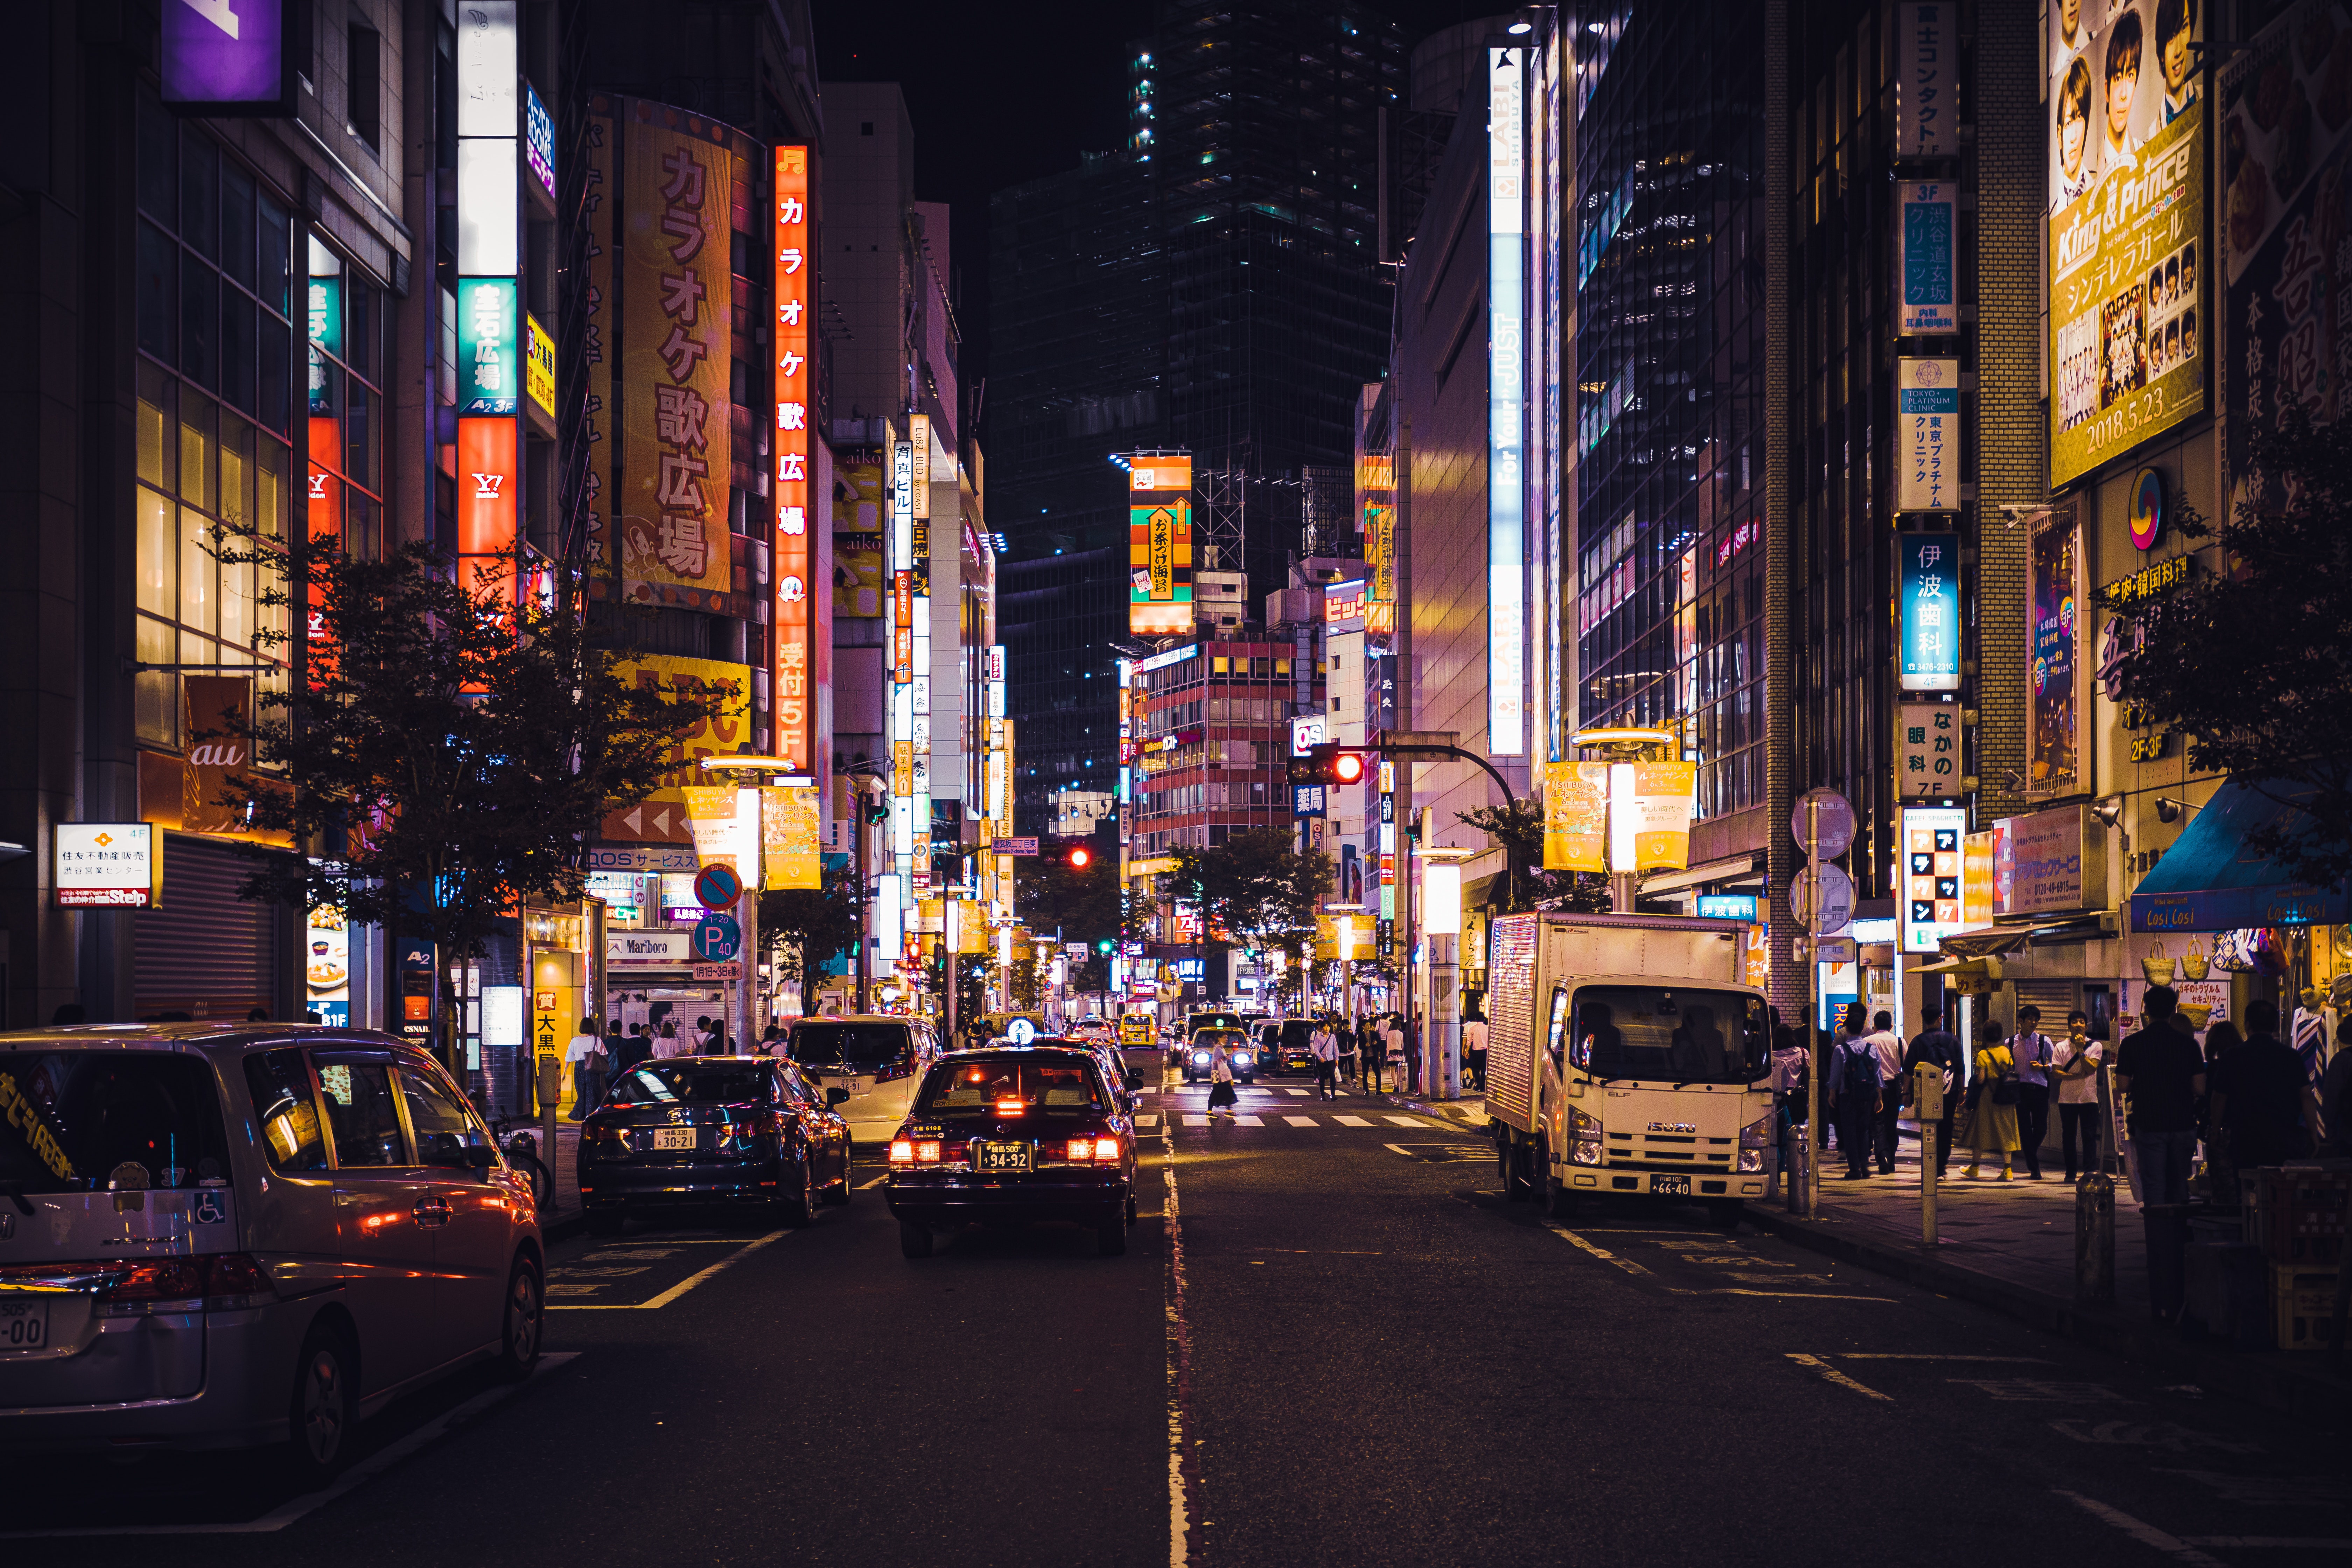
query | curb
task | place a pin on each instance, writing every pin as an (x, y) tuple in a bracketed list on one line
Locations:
[(2271, 1383)]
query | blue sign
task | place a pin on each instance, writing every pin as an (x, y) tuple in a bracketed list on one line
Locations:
[(1726, 906), (1925, 258), (1930, 604), (539, 137), (716, 938), (224, 57)]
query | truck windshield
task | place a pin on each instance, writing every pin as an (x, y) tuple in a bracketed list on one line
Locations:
[(1658, 1033)]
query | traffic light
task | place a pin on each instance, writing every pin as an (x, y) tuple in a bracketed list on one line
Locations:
[(1305, 770), (1081, 857), (1328, 764), (1104, 946)]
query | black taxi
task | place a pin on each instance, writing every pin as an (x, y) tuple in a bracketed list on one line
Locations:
[(1014, 1135)]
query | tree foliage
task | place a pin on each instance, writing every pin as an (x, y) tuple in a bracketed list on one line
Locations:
[(804, 929), (1083, 904), (1520, 832), (1257, 889), (450, 750), (2254, 662)]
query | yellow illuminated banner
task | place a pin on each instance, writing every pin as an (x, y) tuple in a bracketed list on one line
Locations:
[(1575, 816), (1159, 568), (1662, 796), (788, 825)]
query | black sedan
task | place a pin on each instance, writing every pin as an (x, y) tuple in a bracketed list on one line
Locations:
[(1014, 1136), (713, 1130)]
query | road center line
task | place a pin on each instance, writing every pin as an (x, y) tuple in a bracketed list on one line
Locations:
[(1907, 1355), (869, 1186), (2146, 1534), (1779, 1295), (1602, 1253), (1179, 1341), (1834, 1375), (675, 1291)]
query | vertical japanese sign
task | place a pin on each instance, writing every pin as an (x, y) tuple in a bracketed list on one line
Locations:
[(2286, 274), (597, 210), (1934, 868), (489, 371), (2053, 764), (1575, 816), (539, 365), (539, 140), (1505, 402), (1928, 434), (1159, 565), (1926, 79), (1926, 292), (794, 280), (1927, 750), (1665, 793), (1930, 603), (2126, 179), (677, 297), (485, 488)]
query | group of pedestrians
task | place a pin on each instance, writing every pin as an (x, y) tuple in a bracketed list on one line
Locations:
[(598, 1058)]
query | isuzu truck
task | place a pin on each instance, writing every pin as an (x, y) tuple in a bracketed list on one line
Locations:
[(1626, 1057)]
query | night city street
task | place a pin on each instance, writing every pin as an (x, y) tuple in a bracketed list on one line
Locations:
[(1137, 781)]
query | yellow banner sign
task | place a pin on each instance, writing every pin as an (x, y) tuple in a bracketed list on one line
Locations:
[(1575, 816), (788, 825), (1662, 796)]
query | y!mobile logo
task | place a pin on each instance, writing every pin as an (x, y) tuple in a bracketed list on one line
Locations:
[(317, 487), (487, 486)]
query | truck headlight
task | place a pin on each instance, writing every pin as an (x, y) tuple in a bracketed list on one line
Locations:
[(1753, 1139), (1584, 1137)]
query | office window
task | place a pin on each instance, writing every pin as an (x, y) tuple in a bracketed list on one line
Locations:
[(364, 83)]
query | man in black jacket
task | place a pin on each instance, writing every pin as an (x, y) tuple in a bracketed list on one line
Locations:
[(1936, 1046)]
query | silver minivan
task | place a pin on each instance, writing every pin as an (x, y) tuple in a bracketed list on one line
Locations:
[(877, 1057), (223, 1236)]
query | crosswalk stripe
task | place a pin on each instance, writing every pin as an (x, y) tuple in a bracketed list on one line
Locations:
[(1300, 1121), (1351, 1121), (1407, 1121), (1249, 1121), (1147, 1118), (1196, 1121), (1299, 1093)]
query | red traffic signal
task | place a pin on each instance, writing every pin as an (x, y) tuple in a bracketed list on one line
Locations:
[(1081, 857), (1328, 764), (1345, 767)]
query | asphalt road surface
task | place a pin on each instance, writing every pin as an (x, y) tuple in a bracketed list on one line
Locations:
[(1331, 1341)]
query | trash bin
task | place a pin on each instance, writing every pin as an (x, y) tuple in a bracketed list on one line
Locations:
[(2167, 1228)]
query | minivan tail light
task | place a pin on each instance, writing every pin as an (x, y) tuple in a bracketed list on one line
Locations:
[(220, 1280)]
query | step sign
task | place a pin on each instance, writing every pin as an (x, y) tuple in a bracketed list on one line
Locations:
[(716, 938), (716, 887)]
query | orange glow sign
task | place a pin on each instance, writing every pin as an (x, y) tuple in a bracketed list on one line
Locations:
[(323, 520), (486, 486), (795, 707)]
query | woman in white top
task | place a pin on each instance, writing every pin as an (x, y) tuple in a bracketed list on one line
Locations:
[(585, 1052), (2076, 1065)]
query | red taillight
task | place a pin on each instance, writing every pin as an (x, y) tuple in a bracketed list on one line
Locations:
[(237, 1274), (911, 1151), (1094, 1148), (902, 1152), (889, 1072), (927, 1153), (1010, 1107), (184, 1278)]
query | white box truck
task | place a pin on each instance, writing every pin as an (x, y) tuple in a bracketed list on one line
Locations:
[(1626, 1057)]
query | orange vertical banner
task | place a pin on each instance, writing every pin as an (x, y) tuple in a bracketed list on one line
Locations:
[(792, 703)]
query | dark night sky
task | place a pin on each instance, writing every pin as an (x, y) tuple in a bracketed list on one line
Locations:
[(1000, 94)]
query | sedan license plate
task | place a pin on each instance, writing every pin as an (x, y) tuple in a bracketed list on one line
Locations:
[(1004, 1156), (672, 1137), (24, 1324), (1672, 1187)]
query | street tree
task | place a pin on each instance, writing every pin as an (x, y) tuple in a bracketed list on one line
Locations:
[(2253, 663), (445, 750), (805, 929), (1082, 903), (1256, 890), (1520, 831)]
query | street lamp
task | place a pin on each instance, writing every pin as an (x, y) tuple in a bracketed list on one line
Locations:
[(1440, 922)]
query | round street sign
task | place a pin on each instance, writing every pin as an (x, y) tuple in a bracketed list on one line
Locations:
[(716, 887), (1836, 894), (1835, 823), (716, 938), (1021, 1031)]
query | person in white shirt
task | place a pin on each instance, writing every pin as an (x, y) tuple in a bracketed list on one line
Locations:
[(2075, 1063), (1326, 1060), (666, 1044), (1888, 1047), (585, 1052), (1474, 1052)]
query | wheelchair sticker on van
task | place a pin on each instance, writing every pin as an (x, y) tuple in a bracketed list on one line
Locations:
[(207, 1206)]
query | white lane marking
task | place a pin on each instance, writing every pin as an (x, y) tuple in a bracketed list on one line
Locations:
[(869, 1186), (367, 1469), (1779, 1295), (680, 1289), (1908, 1355), (1834, 1375), (2146, 1534), (2315, 1543), (1149, 1118), (1178, 1341), (1400, 1149), (1602, 1253), (1301, 1093), (1351, 1121), (1196, 1121), (1300, 1121), (1410, 1122), (1249, 1121)]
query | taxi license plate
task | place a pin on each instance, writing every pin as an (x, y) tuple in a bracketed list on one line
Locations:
[(1004, 1156), (1672, 1186), (24, 1324), (672, 1137)]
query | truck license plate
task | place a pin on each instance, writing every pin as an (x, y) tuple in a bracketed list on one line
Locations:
[(1672, 1187)]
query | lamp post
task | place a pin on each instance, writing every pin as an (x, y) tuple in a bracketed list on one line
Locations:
[(1440, 922)]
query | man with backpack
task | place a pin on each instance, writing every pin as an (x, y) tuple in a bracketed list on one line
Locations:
[(2033, 1050), (1936, 1046), (1853, 1083), (1885, 1133)]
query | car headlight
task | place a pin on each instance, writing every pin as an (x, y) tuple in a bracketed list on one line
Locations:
[(1199, 1059)]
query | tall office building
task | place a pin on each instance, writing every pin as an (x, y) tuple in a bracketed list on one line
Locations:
[(1212, 285)]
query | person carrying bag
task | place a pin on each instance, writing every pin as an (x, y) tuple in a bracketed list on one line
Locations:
[(1222, 1094), (1993, 1099)]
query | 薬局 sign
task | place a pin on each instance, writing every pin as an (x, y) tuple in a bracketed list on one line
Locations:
[(106, 865), (1928, 434), (1934, 866), (1927, 750), (1930, 604), (1926, 291)]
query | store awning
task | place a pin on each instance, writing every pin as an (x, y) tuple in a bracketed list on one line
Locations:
[(1985, 940), (2210, 882)]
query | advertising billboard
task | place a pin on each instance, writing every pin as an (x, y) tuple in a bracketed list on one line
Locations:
[(1926, 271), (676, 296), (2059, 686), (1929, 603), (221, 60), (1159, 568), (1506, 403), (490, 368), (1926, 79), (2126, 181), (106, 865), (2286, 128), (793, 301), (596, 333), (1934, 866), (1926, 434)]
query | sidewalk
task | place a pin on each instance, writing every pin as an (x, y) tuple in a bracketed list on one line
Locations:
[(2010, 1247), (1469, 1112)]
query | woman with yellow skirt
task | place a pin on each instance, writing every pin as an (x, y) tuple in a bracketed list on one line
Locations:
[(1992, 1128)]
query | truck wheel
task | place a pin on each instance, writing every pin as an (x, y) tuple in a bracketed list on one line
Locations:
[(1559, 1203)]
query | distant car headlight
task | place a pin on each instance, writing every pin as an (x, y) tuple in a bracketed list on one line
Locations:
[(1199, 1059)]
